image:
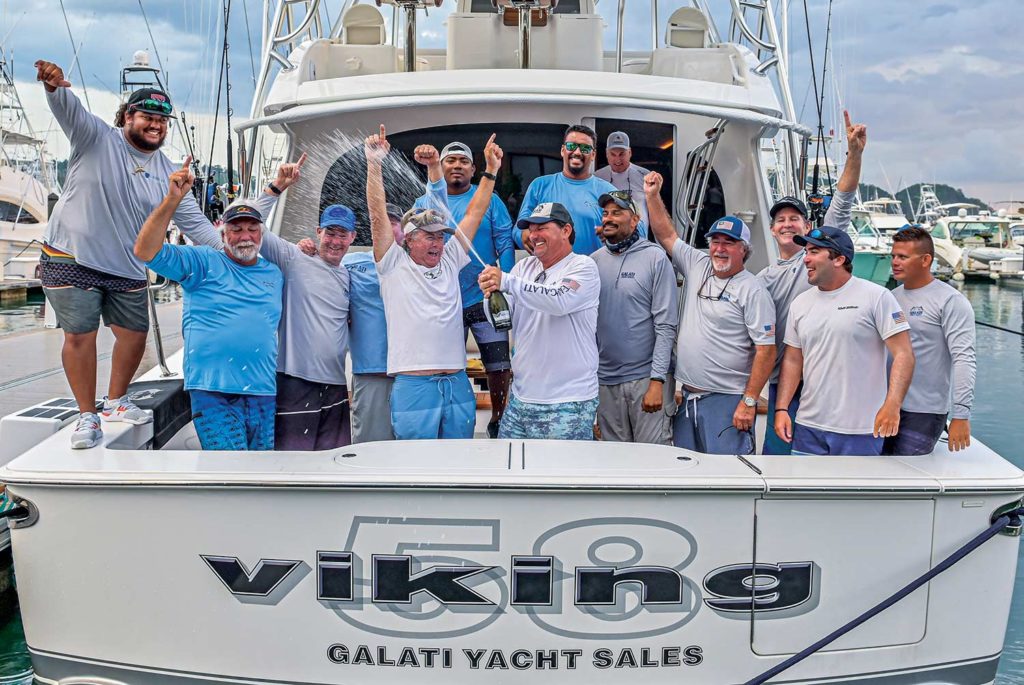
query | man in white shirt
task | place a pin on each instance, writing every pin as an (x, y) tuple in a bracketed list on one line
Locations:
[(787, 277), (942, 334), (419, 283), (622, 173), (554, 297), (725, 347), (836, 341)]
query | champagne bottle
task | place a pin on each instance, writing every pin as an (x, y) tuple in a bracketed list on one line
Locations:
[(501, 315)]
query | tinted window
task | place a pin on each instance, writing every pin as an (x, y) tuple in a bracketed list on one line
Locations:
[(14, 214)]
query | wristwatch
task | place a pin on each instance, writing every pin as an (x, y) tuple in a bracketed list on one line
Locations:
[(749, 401), (488, 174), (274, 189)]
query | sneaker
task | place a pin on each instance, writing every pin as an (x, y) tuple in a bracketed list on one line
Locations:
[(87, 432), (123, 409), (492, 429)]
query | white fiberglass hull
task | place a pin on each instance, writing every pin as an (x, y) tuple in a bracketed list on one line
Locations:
[(454, 561)]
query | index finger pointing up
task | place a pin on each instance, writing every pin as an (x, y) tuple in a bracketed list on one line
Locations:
[(383, 134), (846, 116), (302, 160), (490, 141), (186, 163)]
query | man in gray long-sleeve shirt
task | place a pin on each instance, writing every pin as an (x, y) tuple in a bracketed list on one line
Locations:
[(116, 177), (942, 335), (787, 277), (636, 328)]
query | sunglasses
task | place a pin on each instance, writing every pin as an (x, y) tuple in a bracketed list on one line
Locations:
[(582, 147), (818, 234), (153, 106), (624, 196)]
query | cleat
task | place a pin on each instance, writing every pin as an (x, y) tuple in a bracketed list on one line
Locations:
[(87, 432), (123, 409)]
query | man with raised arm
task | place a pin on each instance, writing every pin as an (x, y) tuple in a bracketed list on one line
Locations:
[(116, 177), (726, 342), (787, 277), (836, 342), (419, 282), (574, 187), (231, 313), (942, 334), (636, 328), (493, 242), (554, 296)]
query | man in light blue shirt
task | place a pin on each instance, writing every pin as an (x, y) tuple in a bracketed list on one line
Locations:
[(576, 188), (231, 313), (493, 242)]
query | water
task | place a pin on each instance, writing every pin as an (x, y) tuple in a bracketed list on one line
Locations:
[(997, 420)]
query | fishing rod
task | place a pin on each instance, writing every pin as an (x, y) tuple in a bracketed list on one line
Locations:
[(227, 101), (192, 154), (998, 328)]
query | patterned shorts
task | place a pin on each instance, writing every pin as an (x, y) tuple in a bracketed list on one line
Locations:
[(563, 421)]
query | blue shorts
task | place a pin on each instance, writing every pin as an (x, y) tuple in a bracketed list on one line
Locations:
[(811, 441), (918, 434), (429, 407), (704, 424), (561, 421), (233, 422), (773, 444)]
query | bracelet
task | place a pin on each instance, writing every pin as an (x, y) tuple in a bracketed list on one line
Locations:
[(488, 174), (778, 410), (274, 189)]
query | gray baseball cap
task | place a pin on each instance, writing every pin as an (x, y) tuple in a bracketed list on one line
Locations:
[(457, 148), (617, 141)]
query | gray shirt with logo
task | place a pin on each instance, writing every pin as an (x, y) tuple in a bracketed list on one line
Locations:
[(787, 278), (723, 319), (638, 314), (110, 190), (942, 334)]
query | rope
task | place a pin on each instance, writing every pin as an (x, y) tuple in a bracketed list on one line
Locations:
[(153, 42), (30, 243), (1011, 518), (998, 328), (85, 90)]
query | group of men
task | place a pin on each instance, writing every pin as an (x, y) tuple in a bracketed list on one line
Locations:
[(603, 336)]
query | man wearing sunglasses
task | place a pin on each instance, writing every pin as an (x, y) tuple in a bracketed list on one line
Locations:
[(116, 178), (787, 277), (575, 187), (836, 341), (726, 341)]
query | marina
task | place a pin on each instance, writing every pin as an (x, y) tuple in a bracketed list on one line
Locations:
[(158, 551)]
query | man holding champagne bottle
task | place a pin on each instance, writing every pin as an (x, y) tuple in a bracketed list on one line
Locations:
[(553, 296)]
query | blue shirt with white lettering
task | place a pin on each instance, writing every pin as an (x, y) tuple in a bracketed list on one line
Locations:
[(368, 329), (230, 319)]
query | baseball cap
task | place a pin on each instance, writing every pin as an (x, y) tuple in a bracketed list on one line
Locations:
[(732, 227), (828, 237), (429, 220), (338, 216), (457, 148), (151, 101), (788, 201), (395, 211), (242, 209), (617, 140), (622, 198), (545, 212)]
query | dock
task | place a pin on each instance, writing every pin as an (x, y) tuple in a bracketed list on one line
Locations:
[(31, 370), (16, 290)]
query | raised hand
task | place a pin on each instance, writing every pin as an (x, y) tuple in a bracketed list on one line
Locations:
[(652, 183), (51, 75), (856, 135), (180, 182), (493, 154), (307, 246), (289, 173), (377, 146), (427, 155)]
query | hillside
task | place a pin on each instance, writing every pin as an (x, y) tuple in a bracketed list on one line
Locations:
[(946, 194)]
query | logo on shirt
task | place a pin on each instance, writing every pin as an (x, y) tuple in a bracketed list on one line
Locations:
[(571, 284), (627, 274), (917, 311), (899, 317), (769, 329), (847, 306)]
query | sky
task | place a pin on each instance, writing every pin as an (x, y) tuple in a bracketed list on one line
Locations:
[(938, 84)]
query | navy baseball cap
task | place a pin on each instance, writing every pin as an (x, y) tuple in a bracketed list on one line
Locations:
[(621, 198), (732, 227), (151, 101), (788, 201), (243, 209), (338, 216), (828, 237)]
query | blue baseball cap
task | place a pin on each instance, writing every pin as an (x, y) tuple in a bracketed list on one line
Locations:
[(828, 237), (732, 227), (338, 216)]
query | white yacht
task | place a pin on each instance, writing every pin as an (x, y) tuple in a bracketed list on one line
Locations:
[(145, 560), (988, 249)]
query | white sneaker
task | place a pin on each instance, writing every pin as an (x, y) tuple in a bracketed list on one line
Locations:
[(87, 432), (123, 409)]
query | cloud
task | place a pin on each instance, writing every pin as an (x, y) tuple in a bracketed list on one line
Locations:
[(960, 59), (937, 11)]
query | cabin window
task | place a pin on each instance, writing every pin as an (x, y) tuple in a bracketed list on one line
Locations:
[(15, 214)]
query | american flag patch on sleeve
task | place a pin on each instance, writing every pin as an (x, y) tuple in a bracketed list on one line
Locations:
[(570, 283), (769, 329), (899, 317)]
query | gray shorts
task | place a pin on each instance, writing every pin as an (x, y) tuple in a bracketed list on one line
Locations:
[(79, 310), (370, 403), (493, 344), (621, 417)]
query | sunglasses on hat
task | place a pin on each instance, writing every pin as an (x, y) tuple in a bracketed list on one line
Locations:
[(151, 106)]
